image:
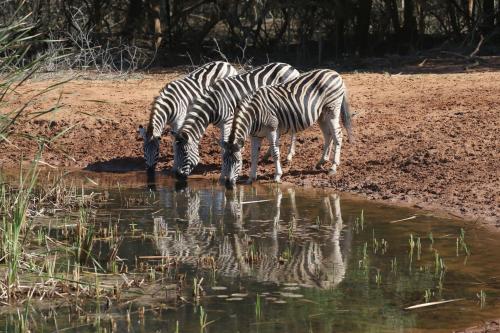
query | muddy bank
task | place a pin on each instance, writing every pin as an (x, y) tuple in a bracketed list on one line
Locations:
[(425, 140)]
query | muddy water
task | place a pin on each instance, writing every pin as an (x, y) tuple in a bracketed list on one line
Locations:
[(283, 259)]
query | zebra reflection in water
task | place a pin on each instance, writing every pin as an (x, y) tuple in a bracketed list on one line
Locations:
[(219, 224)]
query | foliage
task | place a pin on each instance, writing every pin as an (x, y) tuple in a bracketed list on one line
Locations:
[(296, 28), (17, 39)]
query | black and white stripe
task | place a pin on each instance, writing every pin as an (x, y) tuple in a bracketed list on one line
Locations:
[(217, 107), (169, 108), (317, 96)]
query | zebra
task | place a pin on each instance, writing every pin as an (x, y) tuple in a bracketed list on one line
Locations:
[(217, 107), (293, 106), (170, 107)]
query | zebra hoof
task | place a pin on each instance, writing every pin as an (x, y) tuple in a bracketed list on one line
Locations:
[(250, 181), (277, 179), (318, 166), (332, 172)]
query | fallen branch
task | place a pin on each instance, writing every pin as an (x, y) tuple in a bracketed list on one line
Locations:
[(473, 54), (256, 201), (423, 305), (406, 219)]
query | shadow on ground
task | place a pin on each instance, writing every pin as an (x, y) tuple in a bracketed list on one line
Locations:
[(120, 164)]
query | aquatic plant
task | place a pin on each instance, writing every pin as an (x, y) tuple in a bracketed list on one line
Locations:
[(14, 221), (394, 265), (461, 243), (204, 319), (482, 298), (378, 277)]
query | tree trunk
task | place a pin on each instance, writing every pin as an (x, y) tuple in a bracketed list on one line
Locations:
[(488, 16), (421, 17), (469, 14), (410, 22), (165, 11), (454, 20), (135, 15), (96, 18), (340, 22), (363, 26), (156, 14), (392, 9)]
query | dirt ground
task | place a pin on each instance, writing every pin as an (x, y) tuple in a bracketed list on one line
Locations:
[(424, 140)]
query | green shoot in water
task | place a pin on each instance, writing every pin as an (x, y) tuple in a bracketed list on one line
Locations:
[(378, 277), (482, 298), (258, 311), (394, 265)]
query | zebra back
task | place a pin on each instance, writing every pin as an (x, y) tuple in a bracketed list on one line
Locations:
[(217, 105), (170, 106), (295, 104)]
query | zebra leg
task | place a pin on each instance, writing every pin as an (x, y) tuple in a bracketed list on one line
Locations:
[(325, 127), (274, 140), (291, 192), (337, 140), (256, 143), (291, 149), (225, 130)]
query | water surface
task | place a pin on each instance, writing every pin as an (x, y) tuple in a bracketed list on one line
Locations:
[(282, 259)]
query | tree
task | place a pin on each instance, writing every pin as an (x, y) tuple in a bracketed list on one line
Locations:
[(410, 21), (363, 25), (488, 16)]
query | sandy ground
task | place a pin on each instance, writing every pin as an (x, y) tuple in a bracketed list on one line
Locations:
[(425, 140)]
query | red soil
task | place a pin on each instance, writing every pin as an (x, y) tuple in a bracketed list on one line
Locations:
[(428, 140)]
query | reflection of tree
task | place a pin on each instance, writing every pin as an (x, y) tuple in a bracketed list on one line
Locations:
[(270, 255)]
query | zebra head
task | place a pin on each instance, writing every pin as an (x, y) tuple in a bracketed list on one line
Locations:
[(151, 148), (231, 162), (186, 155)]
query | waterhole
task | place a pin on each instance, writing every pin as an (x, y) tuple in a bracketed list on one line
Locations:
[(195, 256)]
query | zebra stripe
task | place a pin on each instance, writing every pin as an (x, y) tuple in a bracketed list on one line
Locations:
[(316, 96), (169, 108), (217, 106)]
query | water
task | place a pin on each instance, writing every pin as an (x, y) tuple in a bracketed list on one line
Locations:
[(280, 259)]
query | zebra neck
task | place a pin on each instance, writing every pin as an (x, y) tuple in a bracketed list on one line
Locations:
[(243, 131), (196, 129), (217, 110)]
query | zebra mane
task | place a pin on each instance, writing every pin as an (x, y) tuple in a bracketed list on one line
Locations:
[(149, 130)]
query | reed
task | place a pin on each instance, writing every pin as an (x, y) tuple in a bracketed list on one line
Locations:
[(14, 222), (258, 309)]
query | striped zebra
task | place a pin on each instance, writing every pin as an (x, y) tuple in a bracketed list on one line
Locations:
[(217, 107), (293, 106), (170, 107)]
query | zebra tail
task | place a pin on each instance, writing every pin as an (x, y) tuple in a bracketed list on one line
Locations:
[(346, 117)]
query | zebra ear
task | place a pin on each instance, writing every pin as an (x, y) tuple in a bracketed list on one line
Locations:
[(142, 132)]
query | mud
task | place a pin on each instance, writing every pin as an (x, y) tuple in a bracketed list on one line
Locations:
[(424, 140)]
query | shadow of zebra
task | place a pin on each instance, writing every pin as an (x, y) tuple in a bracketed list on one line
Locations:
[(119, 164)]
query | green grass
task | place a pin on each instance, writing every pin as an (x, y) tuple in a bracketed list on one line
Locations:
[(14, 221)]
